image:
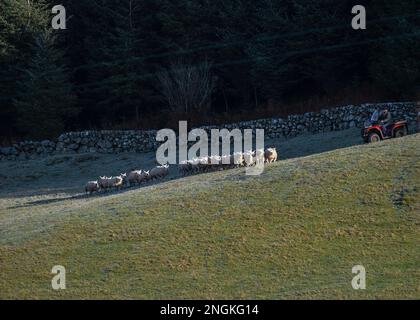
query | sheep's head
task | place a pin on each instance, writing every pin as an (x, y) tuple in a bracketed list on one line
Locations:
[(124, 177)]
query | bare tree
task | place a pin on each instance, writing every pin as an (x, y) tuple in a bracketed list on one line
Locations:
[(186, 87)]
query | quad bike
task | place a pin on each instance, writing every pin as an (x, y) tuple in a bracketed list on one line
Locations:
[(374, 131)]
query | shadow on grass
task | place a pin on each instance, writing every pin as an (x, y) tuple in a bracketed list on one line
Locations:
[(80, 196)]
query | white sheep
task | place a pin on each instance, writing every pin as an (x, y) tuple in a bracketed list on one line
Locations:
[(92, 186), (134, 177), (112, 182), (159, 172), (103, 182), (270, 155), (118, 181), (144, 176), (249, 158), (260, 156), (238, 159)]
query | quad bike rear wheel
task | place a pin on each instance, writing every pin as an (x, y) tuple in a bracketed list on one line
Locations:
[(399, 133), (374, 137)]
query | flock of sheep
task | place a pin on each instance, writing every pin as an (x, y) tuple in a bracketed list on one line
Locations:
[(127, 179), (194, 166), (238, 159)]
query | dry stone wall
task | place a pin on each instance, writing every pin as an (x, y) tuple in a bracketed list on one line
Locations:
[(117, 141)]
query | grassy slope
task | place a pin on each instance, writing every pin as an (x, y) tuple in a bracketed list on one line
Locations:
[(293, 232)]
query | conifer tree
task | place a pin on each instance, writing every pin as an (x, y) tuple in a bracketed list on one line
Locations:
[(45, 101)]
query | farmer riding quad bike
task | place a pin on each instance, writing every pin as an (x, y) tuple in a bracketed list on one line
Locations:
[(374, 129)]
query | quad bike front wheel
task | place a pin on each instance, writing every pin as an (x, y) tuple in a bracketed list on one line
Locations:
[(373, 137)]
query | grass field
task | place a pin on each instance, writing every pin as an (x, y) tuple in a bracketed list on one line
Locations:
[(295, 232)]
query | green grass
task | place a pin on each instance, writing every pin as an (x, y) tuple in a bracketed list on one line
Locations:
[(295, 232)]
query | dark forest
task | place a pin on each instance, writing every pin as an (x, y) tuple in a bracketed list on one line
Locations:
[(148, 63)]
